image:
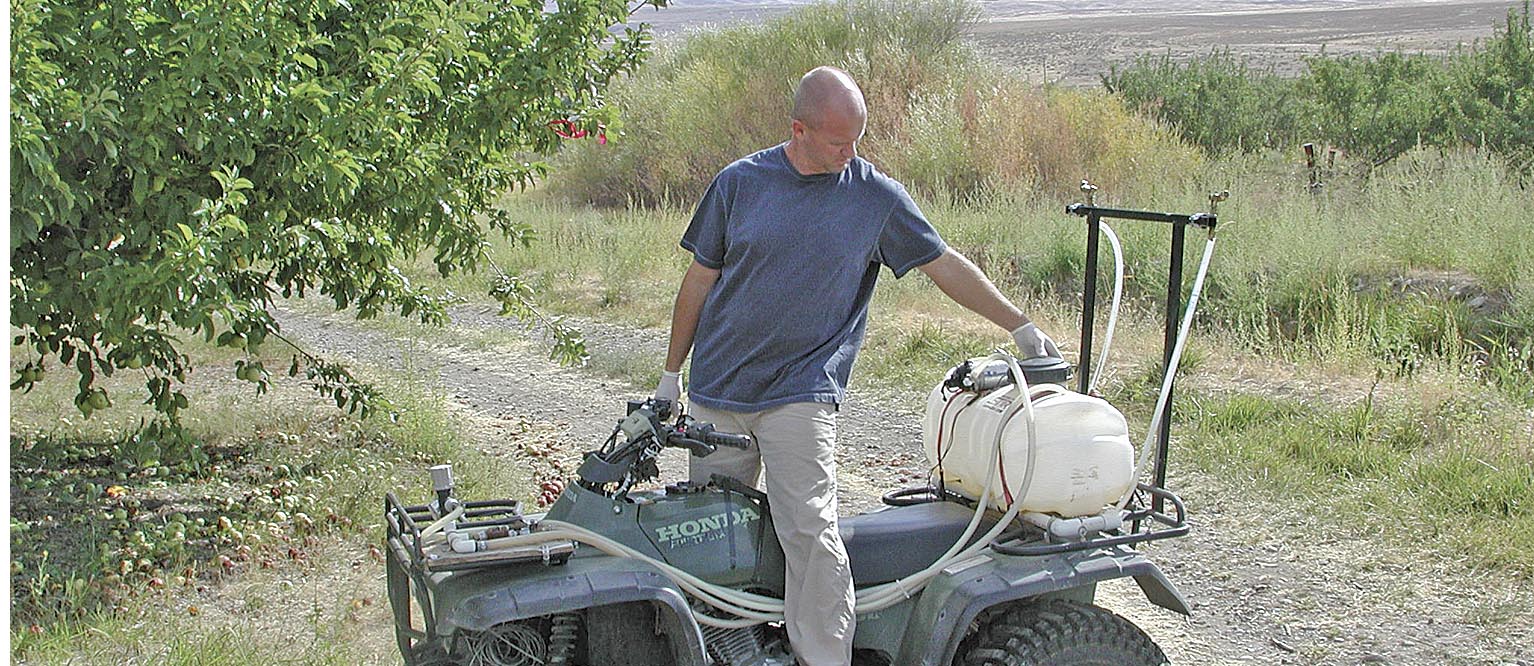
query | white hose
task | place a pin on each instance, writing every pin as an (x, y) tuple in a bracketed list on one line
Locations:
[(441, 524), (754, 609), (1024, 396), (1171, 371), (1113, 312)]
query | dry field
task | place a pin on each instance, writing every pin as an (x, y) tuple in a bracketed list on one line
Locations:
[(1074, 41)]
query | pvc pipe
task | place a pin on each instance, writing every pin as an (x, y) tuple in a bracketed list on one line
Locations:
[(1076, 529), (1171, 370)]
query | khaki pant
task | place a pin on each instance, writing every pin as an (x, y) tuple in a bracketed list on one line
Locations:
[(797, 443)]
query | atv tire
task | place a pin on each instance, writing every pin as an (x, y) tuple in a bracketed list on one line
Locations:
[(1059, 633)]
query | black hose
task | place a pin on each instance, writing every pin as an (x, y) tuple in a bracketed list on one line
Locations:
[(923, 495), (911, 496)]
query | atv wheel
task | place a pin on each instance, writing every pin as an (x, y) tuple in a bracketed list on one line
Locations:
[(1059, 633)]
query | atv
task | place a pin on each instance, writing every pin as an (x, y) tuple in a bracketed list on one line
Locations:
[(620, 571)]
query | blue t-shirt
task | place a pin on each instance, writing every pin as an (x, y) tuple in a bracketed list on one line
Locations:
[(797, 258)]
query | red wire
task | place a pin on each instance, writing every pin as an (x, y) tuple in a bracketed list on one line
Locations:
[(1001, 462), (940, 418)]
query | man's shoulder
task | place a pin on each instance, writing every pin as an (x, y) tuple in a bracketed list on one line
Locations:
[(766, 159), (867, 175), (869, 172)]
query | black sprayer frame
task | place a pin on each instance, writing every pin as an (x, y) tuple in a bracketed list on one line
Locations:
[(1094, 215)]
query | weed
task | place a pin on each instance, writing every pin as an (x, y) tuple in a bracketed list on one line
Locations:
[(1455, 468)]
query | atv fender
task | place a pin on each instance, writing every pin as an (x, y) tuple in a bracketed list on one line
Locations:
[(954, 598), (478, 600)]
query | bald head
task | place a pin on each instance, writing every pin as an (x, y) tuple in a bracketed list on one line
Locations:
[(828, 120), (825, 91)]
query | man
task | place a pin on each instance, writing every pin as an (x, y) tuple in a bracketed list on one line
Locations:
[(787, 244)]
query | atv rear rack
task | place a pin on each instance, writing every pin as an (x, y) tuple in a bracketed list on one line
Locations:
[(1143, 521)]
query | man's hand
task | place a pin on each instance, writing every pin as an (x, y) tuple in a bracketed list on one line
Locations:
[(670, 387), (1033, 343)]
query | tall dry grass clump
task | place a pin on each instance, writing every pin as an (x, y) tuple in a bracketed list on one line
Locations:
[(940, 120), (992, 134), (716, 96)]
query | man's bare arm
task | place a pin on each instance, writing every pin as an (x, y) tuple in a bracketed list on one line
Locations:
[(684, 315), (963, 282)]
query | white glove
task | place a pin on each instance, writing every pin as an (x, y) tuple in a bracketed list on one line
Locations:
[(1033, 343), (670, 387)]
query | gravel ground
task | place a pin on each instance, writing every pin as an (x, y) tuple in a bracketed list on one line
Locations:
[(1270, 584)]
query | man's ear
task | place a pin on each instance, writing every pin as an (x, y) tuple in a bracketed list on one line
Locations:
[(799, 128)]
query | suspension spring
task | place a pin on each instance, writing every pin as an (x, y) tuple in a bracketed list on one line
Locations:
[(562, 634)]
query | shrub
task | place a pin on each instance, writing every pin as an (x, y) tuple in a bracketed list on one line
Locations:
[(1217, 102), (1378, 107), (1495, 104), (721, 95), (939, 120)]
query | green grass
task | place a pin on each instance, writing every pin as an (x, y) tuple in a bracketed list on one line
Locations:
[(186, 640), (1425, 264), (289, 493), (1455, 473)]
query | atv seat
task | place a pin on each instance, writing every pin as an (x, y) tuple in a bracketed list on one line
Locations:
[(900, 541)]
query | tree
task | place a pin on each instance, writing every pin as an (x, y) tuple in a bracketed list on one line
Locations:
[(178, 164), (1496, 93)]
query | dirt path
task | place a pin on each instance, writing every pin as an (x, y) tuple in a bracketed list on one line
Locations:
[(1269, 584)]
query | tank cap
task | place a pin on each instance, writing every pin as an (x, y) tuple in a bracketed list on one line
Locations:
[(1046, 370)]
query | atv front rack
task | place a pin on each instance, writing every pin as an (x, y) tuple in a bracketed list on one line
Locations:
[(405, 524), (416, 564)]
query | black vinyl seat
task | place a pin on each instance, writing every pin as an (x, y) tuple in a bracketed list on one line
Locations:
[(899, 541)]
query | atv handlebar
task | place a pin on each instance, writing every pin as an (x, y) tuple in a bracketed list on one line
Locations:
[(645, 431), (701, 439), (687, 432), (706, 432)]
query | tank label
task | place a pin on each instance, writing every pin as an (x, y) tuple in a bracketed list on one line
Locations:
[(998, 404), (707, 528)]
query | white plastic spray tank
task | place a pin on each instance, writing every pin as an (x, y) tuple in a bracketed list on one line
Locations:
[(1082, 454)]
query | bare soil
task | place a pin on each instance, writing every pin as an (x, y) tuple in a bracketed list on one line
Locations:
[(1269, 583)]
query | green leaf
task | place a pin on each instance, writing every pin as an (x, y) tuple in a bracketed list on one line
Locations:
[(324, 129)]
